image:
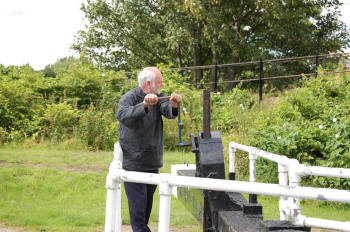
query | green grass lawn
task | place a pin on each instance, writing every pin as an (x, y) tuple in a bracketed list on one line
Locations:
[(45, 189)]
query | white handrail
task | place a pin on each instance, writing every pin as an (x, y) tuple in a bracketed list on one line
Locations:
[(290, 207), (166, 182)]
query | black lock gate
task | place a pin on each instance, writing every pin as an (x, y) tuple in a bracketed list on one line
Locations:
[(218, 210)]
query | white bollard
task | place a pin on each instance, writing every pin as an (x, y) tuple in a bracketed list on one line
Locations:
[(165, 191)]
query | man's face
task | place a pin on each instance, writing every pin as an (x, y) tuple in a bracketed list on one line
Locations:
[(158, 83)]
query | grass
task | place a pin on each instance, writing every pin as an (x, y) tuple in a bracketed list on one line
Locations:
[(46, 189)]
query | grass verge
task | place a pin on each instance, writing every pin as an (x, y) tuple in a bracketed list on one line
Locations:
[(44, 189)]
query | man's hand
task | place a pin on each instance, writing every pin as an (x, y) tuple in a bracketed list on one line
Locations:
[(150, 99), (175, 100)]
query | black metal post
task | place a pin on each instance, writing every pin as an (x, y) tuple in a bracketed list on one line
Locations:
[(216, 76), (317, 62), (253, 199), (324, 63), (206, 114), (261, 67)]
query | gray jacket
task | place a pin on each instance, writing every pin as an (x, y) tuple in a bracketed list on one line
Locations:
[(141, 131)]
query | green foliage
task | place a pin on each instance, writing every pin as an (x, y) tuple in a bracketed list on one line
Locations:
[(310, 124), (19, 102), (32, 105), (59, 120), (48, 71), (98, 128), (128, 34)]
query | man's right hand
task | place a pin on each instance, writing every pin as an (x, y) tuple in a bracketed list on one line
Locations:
[(150, 99)]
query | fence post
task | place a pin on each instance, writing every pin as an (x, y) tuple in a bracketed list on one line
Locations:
[(206, 114), (324, 63), (216, 76), (317, 62), (283, 181), (253, 199), (261, 67), (165, 191)]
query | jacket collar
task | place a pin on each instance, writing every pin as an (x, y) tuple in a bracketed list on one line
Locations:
[(139, 92)]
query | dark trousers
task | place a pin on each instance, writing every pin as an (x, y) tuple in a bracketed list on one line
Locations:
[(140, 199)]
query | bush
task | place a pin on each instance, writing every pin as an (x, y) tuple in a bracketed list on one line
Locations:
[(99, 129), (310, 124), (20, 104), (58, 121)]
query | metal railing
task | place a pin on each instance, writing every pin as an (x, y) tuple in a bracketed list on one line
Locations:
[(290, 206), (166, 182)]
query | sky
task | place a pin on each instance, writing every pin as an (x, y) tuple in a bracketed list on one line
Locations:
[(39, 32)]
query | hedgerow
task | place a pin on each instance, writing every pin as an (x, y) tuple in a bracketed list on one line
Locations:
[(310, 124)]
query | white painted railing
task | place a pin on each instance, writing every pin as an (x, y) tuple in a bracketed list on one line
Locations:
[(166, 183), (290, 206)]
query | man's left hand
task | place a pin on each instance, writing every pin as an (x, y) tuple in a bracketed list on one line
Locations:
[(175, 100)]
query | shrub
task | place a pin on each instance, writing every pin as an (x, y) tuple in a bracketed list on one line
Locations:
[(99, 129), (58, 121), (310, 124)]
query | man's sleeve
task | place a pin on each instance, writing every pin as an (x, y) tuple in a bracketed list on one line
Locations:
[(129, 113)]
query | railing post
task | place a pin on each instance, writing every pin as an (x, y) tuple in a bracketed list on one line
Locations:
[(283, 202), (216, 76), (252, 176), (317, 62), (261, 67), (324, 63), (294, 181), (206, 114), (165, 191), (232, 153), (113, 206), (113, 221)]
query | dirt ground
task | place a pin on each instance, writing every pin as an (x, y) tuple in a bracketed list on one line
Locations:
[(127, 228)]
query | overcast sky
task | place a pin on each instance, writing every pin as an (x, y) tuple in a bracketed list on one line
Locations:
[(39, 32)]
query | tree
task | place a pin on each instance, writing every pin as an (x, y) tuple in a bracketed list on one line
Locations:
[(48, 71), (129, 34)]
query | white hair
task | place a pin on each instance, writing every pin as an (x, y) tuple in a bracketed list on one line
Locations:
[(144, 76)]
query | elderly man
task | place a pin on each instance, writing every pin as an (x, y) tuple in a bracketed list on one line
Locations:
[(141, 139)]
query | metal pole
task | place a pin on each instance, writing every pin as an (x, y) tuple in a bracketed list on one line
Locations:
[(206, 114), (165, 191), (232, 154), (324, 63), (294, 182), (317, 62), (252, 176), (216, 76), (118, 205), (283, 181), (261, 67), (111, 209)]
